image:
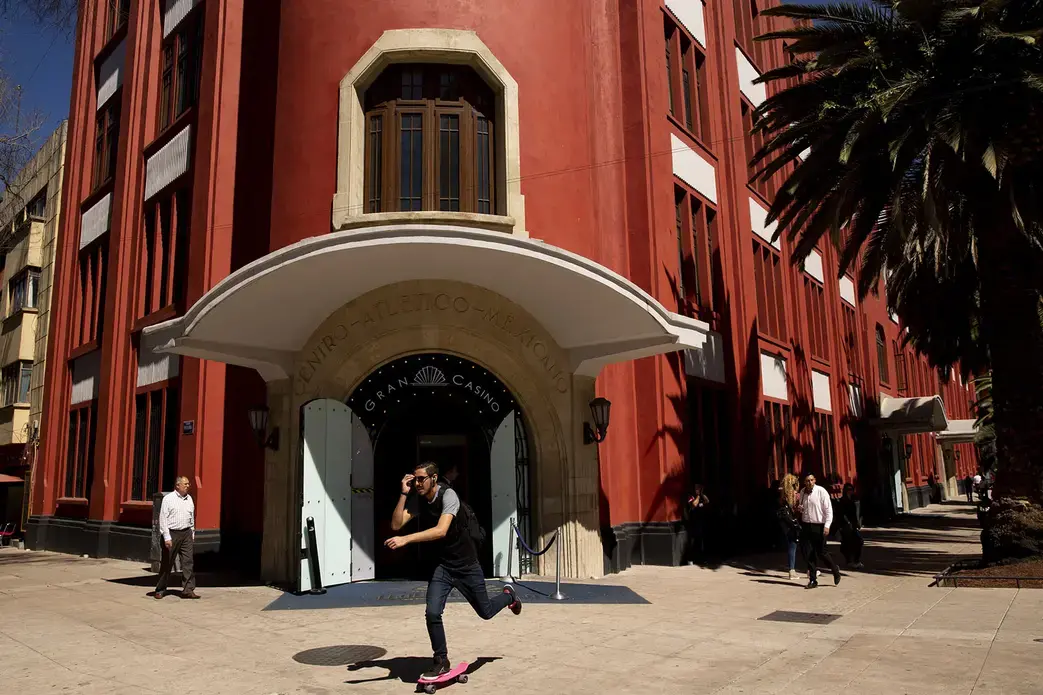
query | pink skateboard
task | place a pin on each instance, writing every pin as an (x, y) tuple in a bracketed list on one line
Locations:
[(457, 673)]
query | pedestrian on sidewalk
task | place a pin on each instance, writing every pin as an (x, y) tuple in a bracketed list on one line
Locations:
[(177, 524), (445, 523), (789, 520), (851, 540), (696, 508), (816, 511)]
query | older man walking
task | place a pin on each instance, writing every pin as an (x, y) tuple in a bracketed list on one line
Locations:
[(177, 524), (816, 513)]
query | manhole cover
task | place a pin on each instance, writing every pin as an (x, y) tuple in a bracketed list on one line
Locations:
[(340, 655), (797, 617)]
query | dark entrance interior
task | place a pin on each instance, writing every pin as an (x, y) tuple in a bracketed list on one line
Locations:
[(430, 407)]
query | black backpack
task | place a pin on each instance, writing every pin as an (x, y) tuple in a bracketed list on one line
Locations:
[(469, 522)]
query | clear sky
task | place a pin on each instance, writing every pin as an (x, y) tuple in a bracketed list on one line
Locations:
[(40, 60)]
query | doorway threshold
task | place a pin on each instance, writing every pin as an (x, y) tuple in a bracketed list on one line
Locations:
[(402, 593)]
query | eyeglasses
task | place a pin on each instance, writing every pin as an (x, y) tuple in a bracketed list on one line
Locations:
[(421, 479)]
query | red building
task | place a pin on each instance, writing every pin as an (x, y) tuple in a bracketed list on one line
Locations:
[(425, 231)]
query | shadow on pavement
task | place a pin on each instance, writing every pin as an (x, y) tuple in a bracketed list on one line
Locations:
[(224, 579), (408, 668)]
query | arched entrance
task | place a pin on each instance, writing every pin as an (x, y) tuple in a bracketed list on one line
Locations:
[(424, 407)]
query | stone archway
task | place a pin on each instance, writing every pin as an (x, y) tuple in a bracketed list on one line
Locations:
[(471, 322)]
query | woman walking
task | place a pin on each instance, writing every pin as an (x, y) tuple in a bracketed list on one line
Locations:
[(789, 519)]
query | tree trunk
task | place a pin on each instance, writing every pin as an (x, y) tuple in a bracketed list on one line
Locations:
[(1012, 330)]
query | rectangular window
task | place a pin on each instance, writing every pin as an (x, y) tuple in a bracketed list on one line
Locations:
[(79, 459), (881, 354), (686, 76), (753, 143), (24, 290), (686, 91), (182, 63), (449, 163), (17, 379), (106, 140), (854, 365), (156, 416), (37, 207), (815, 298), (901, 369), (412, 84), (767, 271), (164, 252), (694, 221), (777, 424), (825, 443), (117, 13), (90, 298), (679, 203), (484, 166), (374, 162), (411, 182), (670, 31)]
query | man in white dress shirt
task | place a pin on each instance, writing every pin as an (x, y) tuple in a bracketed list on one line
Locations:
[(816, 516), (177, 524)]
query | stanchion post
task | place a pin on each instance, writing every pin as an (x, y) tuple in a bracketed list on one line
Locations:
[(558, 596), (510, 555), (313, 560)]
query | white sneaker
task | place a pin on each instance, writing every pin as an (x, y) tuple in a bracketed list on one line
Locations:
[(791, 574)]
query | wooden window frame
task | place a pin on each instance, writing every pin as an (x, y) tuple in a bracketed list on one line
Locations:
[(686, 76), (818, 323), (80, 435), (478, 156), (163, 258), (154, 454), (881, 355), (771, 307), (752, 143), (696, 234), (778, 424), (826, 443), (117, 13), (106, 141), (180, 68), (89, 304), (902, 380)]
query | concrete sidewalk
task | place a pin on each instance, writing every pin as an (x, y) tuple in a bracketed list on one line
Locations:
[(77, 625)]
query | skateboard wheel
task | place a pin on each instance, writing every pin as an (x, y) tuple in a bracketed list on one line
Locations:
[(429, 689), (462, 678)]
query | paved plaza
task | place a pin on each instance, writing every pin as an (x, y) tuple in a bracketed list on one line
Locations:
[(77, 625)]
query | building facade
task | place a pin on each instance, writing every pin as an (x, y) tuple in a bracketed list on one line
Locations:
[(30, 215), (309, 245)]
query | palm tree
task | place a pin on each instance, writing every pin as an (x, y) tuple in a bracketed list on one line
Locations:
[(922, 119)]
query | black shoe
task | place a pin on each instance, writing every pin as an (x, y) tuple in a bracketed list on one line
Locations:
[(813, 584), (836, 576), (516, 604), (439, 668)]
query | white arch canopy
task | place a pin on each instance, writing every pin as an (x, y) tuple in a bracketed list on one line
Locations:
[(262, 314)]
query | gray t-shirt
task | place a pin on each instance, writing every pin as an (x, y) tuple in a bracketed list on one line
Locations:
[(450, 501)]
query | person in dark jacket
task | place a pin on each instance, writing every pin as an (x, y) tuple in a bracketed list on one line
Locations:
[(851, 541), (789, 519), (695, 508)]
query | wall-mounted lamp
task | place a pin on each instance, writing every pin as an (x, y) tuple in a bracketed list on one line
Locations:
[(259, 424), (957, 454), (908, 451), (599, 412)]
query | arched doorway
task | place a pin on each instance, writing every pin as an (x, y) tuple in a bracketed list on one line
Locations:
[(425, 407)]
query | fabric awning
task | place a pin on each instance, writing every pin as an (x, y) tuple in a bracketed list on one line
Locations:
[(911, 415), (263, 313), (4, 478), (958, 432)]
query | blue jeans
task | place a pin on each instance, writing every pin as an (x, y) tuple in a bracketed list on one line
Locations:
[(471, 585), (791, 553)]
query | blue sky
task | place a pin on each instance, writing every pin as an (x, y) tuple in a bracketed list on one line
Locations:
[(41, 61)]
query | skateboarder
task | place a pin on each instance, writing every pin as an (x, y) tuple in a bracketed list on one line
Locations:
[(438, 507)]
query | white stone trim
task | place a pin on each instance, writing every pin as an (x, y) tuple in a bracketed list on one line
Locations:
[(154, 367), (110, 74), (847, 290), (426, 45), (691, 15), (758, 215), (95, 221), (813, 266), (756, 93), (773, 377), (821, 396), (170, 162), (690, 167), (175, 13), (86, 374)]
